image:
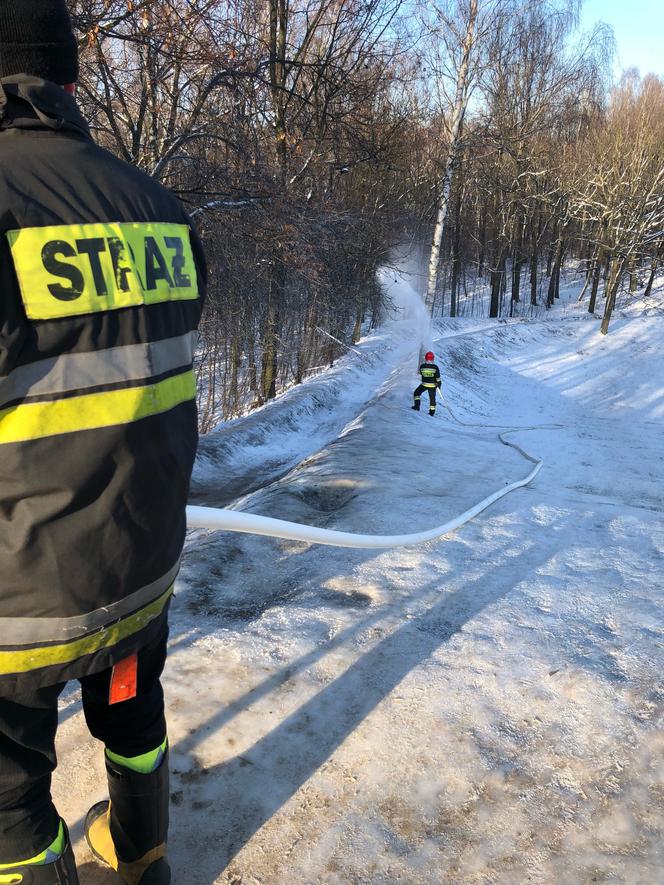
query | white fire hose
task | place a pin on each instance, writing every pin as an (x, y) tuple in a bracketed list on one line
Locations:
[(249, 523)]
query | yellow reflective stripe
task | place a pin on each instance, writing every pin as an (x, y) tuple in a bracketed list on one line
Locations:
[(429, 386), (146, 763), (25, 660), (70, 270), (37, 420)]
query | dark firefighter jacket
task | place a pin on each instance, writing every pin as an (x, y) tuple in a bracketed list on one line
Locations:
[(430, 375), (101, 286)]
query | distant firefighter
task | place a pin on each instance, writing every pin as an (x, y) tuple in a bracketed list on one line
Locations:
[(430, 381)]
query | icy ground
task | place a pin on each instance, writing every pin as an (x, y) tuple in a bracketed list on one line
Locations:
[(488, 708)]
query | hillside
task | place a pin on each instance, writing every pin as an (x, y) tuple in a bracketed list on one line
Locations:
[(486, 708)]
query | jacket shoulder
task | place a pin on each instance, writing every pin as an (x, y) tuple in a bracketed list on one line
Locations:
[(114, 166)]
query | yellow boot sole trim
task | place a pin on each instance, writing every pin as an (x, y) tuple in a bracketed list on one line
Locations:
[(132, 873), (101, 843)]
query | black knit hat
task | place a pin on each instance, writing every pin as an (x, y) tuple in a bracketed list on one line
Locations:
[(36, 38)]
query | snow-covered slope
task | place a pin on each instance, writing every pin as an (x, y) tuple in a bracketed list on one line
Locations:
[(484, 709), (242, 455)]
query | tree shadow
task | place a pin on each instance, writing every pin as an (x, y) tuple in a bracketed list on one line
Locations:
[(220, 808), (235, 798)]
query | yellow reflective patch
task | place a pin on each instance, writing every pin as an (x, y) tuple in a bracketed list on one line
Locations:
[(75, 269), (90, 411), (34, 658)]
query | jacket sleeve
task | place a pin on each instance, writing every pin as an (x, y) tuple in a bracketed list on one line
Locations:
[(438, 378)]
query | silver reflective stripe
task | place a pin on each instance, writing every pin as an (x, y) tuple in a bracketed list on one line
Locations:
[(26, 631), (78, 371)]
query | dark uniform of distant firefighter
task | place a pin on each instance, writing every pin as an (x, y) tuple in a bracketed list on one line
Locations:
[(101, 287), (431, 382)]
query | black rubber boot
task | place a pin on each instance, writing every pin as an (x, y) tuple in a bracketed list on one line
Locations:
[(62, 872), (129, 832), (158, 873), (416, 408)]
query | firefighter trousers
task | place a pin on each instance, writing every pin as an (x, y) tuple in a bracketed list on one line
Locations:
[(417, 395), (28, 722)]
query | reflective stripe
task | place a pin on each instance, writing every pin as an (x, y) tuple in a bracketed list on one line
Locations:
[(146, 763), (428, 386), (25, 660), (76, 371), (112, 407), (27, 631), (48, 855), (70, 270)]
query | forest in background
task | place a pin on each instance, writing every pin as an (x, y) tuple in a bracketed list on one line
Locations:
[(308, 138)]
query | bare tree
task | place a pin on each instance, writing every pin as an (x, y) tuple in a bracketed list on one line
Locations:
[(451, 32), (619, 189)]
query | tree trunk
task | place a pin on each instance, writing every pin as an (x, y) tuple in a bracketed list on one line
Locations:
[(503, 287), (653, 273), (551, 292), (456, 259), (549, 259), (482, 252), (534, 260), (554, 279), (357, 328), (596, 277), (458, 111), (253, 372), (516, 282), (617, 266), (235, 359), (607, 268), (633, 276), (306, 350), (534, 264), (455, 284), (269, 364), (497, 286), (590, 266)]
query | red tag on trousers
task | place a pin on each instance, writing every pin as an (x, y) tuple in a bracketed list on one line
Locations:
[(123, 680)]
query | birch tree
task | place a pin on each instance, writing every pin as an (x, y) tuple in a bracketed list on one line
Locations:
[(464, 28)]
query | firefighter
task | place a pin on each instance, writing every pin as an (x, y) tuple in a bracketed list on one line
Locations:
[(430, 382), (102, 281)]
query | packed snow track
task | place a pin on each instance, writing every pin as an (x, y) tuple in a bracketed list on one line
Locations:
[(484, 709)]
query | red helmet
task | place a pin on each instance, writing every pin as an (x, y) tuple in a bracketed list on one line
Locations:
[(429, 357)]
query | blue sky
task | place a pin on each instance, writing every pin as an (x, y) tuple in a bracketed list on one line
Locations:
[(638, 26)]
